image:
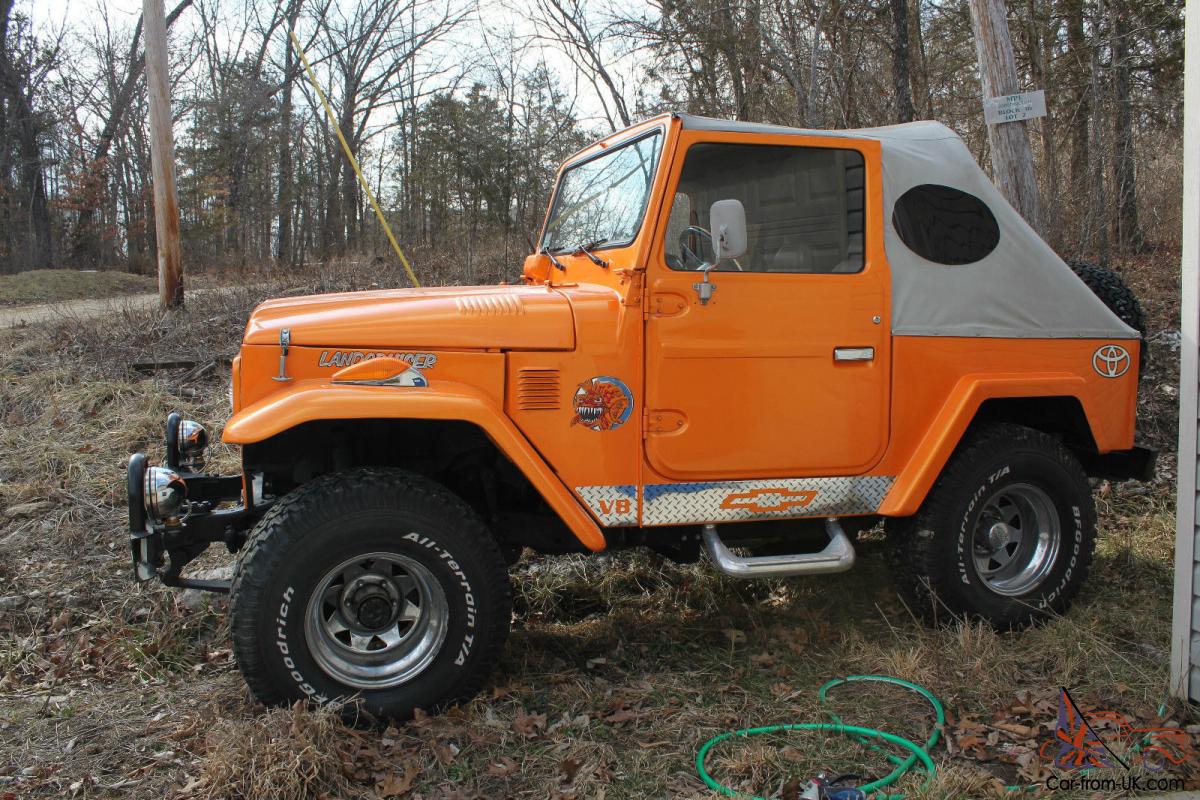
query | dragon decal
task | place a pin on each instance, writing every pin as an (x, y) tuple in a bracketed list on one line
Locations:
[(602, 404)]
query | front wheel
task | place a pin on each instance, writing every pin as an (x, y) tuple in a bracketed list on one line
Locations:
[(377, 589), (1006, 535)]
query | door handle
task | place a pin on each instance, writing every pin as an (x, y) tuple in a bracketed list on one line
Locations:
[(854, 354)]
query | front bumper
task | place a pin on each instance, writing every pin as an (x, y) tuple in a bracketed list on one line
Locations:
[(162, 548)]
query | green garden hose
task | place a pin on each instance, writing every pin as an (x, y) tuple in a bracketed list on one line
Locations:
[(917, 753)]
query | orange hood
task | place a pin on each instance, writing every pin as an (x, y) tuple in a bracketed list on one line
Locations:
[(472, 317)]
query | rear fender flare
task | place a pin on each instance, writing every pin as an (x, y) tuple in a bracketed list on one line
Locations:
[(312, 401), (951, 422)]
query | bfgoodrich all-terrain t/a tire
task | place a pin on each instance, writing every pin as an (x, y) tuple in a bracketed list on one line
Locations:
[(1006, 535), (375, 588)]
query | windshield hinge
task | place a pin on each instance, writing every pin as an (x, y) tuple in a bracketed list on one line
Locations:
[(637, 280)]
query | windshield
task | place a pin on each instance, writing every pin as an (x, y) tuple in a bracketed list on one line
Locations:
[(602, 201)]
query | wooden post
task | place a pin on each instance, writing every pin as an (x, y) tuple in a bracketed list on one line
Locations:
[(1012, 159), (162, 156)]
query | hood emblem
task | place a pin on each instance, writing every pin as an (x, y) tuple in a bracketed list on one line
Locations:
[(343, 358)]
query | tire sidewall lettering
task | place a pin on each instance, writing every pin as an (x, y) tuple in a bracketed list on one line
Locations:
[(290, 648), (1071, 517), (966, 527)]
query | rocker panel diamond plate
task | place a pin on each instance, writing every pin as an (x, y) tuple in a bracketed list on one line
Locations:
[(731, 501), (612, 505)]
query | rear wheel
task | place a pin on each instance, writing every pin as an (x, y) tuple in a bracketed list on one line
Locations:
[(376, 588), (1006, 535)]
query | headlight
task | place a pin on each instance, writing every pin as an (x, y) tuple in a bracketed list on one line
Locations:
[(165, 493), (186, 442), (193, 440)]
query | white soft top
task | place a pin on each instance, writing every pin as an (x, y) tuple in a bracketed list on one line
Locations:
[(1022, 289)]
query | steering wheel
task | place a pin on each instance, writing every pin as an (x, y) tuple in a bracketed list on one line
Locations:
[(689, 256)]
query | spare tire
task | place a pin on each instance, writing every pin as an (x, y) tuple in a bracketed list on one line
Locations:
[(1116, 294)]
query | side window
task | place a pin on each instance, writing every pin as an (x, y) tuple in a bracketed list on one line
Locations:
[(804, 207), (945, 225)]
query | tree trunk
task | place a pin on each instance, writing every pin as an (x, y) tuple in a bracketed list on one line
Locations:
[(1012, 158), (1128, 232), (901, 81), (349, 183), (1099, 219), (284, 250), (1078, 75), (1039, 41)]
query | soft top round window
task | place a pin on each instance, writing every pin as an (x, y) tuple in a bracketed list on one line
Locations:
[(945, 225)]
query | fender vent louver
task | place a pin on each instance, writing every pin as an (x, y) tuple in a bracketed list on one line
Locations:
[(538, 390)]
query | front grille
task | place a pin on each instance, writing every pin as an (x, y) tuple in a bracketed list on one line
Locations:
[(538, 390)]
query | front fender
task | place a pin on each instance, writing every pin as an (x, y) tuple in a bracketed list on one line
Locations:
[(311, 401)]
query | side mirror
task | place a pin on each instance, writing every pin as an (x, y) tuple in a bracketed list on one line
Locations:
[(727, 221)]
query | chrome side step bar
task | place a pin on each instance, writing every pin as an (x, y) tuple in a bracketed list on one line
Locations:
[(838, 556)]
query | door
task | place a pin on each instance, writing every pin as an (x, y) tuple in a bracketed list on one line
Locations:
[(785, 371)]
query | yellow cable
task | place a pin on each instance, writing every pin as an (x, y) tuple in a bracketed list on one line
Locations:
[(353, 161)]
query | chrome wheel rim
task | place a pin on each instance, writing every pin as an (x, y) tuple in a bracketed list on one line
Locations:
[(377, 620), (1017, 538)]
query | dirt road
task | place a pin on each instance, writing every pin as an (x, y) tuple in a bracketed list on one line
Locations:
[(14, 316)]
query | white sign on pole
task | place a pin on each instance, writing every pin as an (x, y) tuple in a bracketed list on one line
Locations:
[(1014, 107)]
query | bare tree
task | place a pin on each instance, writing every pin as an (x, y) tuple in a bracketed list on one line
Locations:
[(567, 25), (370, 49), (1127, 232), (85, 241), (21, 76)]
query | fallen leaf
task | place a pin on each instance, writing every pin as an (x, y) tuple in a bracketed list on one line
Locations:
[(971, 726), (396, 785), (569, 767), (763, 659), (623, 715), (502, 768), (1024, 731), (445, 753), (529, 724)]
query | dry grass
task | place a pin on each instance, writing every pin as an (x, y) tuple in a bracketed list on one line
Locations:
[(282, 753), (56, 285), (618, 667)]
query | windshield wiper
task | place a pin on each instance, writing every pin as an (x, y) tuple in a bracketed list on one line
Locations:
[(586, 249), (553, 260)]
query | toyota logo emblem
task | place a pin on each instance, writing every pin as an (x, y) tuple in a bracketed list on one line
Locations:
[(1111, 361)]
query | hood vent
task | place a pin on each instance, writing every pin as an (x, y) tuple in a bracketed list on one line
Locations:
[(538, 390), (489, 305)]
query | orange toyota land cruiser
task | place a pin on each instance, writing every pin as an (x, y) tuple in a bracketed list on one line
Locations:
[(742, 339)]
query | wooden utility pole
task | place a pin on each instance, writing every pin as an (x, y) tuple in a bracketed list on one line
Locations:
[(1012, 158), (162, 156)]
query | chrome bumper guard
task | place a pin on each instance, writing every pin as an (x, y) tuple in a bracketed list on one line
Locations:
[(162, 549)]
